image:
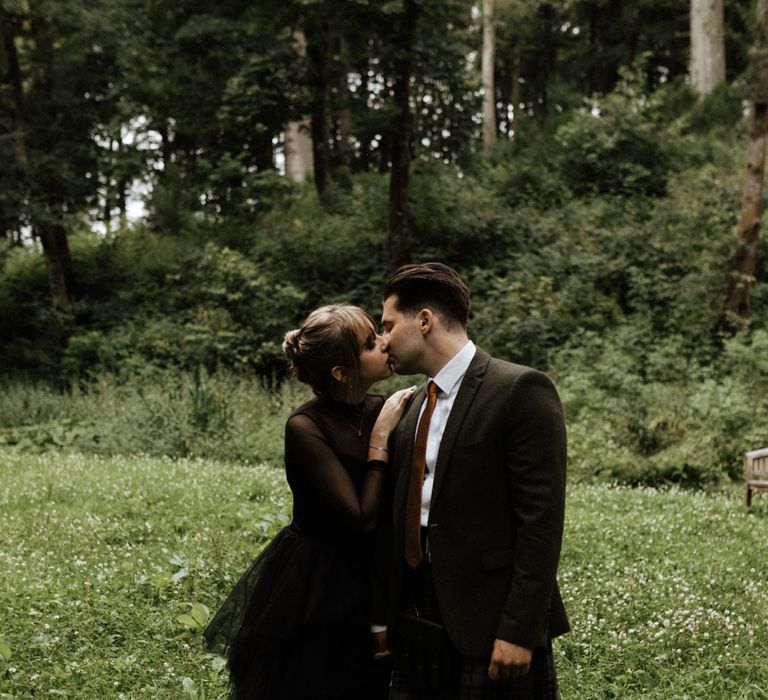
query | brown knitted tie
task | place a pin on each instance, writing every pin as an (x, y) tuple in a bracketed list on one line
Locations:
[(413, 553)]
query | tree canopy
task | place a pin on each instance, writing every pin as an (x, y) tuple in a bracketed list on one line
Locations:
[(596, 234)]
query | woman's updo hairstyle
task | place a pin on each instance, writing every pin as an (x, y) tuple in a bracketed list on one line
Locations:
[(330, 336)]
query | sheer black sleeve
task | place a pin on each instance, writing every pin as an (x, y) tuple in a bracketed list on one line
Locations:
[(307, 448)]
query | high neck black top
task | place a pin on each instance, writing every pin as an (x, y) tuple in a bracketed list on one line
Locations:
[(335, 489)]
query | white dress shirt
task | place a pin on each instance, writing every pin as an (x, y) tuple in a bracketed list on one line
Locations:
[(448, 381)]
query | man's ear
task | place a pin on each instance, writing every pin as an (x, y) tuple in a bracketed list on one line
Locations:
[(339, 374), (426, 319)]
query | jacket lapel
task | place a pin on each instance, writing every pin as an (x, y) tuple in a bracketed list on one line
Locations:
[(406, 432), (469, 386)]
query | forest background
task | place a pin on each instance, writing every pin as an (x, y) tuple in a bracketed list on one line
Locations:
[(181, 182), (591, 202)]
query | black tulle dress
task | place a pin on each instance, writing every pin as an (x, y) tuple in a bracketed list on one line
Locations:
[(297, 624)]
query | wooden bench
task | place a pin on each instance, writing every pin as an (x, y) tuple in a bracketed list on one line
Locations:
[(755, 473)]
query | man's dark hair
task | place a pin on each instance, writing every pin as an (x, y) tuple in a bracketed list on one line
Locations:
[(431, 285)]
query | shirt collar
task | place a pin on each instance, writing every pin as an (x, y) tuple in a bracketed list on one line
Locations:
[(453, 372)]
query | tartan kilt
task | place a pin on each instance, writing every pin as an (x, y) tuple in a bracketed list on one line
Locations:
[(539, 684)]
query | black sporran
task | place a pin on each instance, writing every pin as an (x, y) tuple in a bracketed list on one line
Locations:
[(425, 657)]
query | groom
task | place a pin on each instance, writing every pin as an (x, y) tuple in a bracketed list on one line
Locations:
[(479, 492)]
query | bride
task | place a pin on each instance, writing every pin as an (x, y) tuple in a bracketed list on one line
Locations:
[(297, 624)]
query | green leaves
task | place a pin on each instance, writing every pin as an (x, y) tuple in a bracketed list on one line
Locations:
[(613, 144), (5, 651), (196, 619), (58, 435)]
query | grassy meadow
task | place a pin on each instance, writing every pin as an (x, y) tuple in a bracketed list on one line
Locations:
[(140, 468), (111, 564)]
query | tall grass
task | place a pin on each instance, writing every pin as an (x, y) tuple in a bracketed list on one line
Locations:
[(225, 416), (178, 414)]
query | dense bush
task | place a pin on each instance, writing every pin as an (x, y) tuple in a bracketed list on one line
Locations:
[(148, 299), (613, 145), (596, 249), (331, 254), (665, 419)]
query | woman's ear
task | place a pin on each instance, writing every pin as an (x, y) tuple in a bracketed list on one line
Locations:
[(339, 374)]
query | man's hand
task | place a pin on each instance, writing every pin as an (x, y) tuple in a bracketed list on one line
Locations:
[(381, 653), (509, 661)]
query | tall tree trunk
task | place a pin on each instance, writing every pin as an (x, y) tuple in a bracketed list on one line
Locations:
[(17, 94), (592, 71), (166, 143), (57, 261), (345, 137), (298, 150), (548, 59), (263, 152), (514, 91), (487, 70), (385, 153), (401, 136), (739, 298), (343, 115), (106, 216), (707, 45), (52, 236), (122, 189), (110, 182), (318, 51), (298, 144), (364, 153), (121, 186)]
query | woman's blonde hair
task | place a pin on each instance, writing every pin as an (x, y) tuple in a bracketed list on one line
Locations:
[(330, 336)]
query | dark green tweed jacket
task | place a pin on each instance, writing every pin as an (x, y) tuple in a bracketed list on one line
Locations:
[(496, 516)]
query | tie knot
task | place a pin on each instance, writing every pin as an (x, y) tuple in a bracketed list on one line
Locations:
[(432, 389)]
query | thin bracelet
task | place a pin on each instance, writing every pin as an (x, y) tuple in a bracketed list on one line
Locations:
[(380, 449)]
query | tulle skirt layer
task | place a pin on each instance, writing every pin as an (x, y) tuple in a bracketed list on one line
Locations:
[(296, 623)]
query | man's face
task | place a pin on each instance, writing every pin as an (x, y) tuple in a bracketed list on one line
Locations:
[(402, 337)]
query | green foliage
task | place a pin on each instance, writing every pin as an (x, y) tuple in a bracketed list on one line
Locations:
[(150, 299), (332, 253), (664, 418), (724, 108), (616, 288), (521, 180), (613, 145), (227, 416), (31, 331), (64, 56), (234, 311), (196, 619), (454, 217)]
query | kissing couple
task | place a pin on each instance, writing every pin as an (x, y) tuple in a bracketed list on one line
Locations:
[(421, 560)]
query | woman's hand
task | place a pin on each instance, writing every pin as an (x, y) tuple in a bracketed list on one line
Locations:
[(390, 415)]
